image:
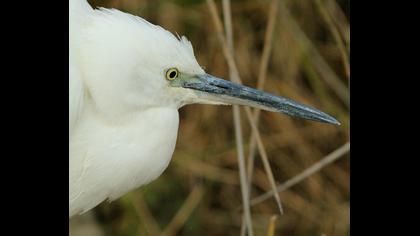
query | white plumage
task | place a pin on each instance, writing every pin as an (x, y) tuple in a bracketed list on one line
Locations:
[(114, 86), (123, 108)]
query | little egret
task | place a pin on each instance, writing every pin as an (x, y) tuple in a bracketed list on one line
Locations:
[(127, 80)]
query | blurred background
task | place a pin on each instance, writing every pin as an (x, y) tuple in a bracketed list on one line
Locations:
[(307, 59)]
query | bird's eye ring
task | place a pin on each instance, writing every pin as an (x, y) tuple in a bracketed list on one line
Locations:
[(172, 74)]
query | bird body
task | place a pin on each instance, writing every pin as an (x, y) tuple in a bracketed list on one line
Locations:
[(127, 80), (118, 140), (110, 160)]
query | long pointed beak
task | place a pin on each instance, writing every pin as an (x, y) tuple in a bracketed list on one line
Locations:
[(223, 91)]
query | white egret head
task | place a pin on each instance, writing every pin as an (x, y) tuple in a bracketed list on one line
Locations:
[(131, 64)]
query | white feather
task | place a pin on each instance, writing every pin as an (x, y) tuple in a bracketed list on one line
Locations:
[(123, 116), (79, 10)]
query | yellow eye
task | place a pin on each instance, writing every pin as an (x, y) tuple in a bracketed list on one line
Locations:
[(172, 74)]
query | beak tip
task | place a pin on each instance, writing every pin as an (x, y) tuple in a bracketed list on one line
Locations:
[(332, 120)]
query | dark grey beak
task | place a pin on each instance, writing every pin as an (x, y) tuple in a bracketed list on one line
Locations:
[(219, 90)]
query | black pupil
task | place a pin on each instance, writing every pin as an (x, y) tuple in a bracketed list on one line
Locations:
[(172, 74)]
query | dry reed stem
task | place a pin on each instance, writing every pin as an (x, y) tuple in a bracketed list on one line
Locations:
[(262, 74), (144, 214), (238, 128), (340, 20), (271, 225), (227, 19), (184, 212), (336, 35), (306, 173), (205, 170), (328, 75), (264, 158), (231, 63)]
